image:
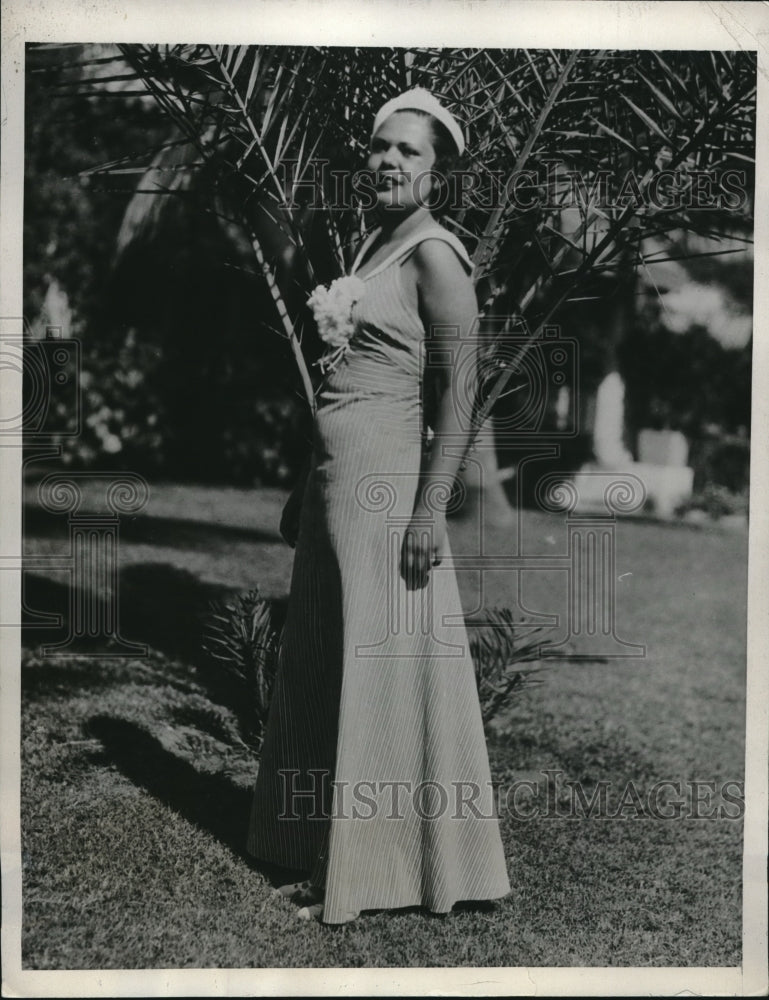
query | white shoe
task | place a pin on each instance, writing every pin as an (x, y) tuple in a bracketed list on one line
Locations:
[(314, 912), (288, 890)]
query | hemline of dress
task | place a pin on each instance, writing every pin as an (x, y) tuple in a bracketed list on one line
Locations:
[(371, 906), (485, 898)]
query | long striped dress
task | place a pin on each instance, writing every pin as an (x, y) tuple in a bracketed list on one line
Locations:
[(374, 772)]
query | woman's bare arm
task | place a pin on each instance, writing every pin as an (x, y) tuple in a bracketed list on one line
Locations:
[(449, 312)]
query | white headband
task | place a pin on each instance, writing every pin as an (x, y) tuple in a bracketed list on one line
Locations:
[(420, 99)]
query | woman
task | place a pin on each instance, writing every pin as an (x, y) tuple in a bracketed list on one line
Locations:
[(374, 777)]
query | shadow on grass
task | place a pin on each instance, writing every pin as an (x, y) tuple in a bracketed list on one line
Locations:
[(209, 801), (159, 605), (141, 529)]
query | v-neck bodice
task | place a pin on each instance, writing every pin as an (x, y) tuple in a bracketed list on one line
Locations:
[(380, 372)]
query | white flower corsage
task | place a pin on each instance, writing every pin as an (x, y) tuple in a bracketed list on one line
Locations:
[(332, 309)]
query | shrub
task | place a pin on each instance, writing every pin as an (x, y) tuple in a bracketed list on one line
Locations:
[(717, 501), (501, 649), (123, 411), (239, 635), (722, 459)]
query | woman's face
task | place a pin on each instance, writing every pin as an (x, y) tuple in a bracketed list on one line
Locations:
[(401, 156)]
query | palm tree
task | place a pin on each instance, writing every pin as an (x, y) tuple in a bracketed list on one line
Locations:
[(561, 187)]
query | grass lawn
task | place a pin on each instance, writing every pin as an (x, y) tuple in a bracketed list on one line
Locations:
[(136, 788)]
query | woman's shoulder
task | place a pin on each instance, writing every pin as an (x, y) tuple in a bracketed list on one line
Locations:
[(442, 250)]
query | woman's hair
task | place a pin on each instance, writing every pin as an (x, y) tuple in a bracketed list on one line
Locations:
[(446, 160)]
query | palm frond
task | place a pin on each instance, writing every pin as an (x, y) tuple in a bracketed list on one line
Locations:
[(506, 654), (260, 119)]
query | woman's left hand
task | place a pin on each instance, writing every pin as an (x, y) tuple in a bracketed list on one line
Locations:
[(423, 546)]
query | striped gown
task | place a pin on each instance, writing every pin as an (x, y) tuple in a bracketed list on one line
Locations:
[(374, 773)]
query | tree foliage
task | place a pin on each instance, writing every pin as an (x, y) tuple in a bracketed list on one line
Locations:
[(580, 165)]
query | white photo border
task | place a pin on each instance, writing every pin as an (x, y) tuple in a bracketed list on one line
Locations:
[(505, 23)]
